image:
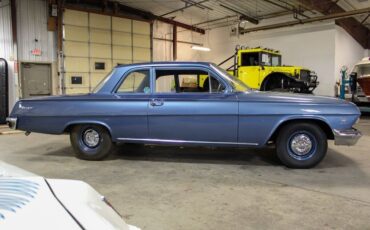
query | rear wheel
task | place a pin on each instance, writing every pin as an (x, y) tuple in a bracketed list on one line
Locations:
[(91, 142), (301, 145)]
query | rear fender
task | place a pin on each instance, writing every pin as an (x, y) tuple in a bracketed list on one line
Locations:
[(68, 126)]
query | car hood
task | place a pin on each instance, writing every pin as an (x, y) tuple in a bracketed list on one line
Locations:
[(33, 202), (260, 96)]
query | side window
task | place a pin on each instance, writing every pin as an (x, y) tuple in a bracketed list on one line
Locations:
[(187, 81), (165, 84), (216, 86), (136, 82)]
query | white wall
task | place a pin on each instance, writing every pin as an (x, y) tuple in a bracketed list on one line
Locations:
[(6, 48), (311, 46), (347, 51), (32, 24), (367, 53), (6, 41)]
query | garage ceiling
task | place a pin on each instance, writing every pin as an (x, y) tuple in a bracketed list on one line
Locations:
[(217, 13)]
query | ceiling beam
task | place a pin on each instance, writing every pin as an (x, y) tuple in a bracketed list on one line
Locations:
[(215, 20), (180, 24), (357, 30), (308, 20), (119, 10), (185, 7), (365, 19), (243, 15), (293, 9), (198, 5)]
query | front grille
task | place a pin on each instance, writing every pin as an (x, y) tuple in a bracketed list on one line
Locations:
[(305, 75)]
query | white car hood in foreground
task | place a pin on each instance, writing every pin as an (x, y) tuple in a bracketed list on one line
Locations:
[(28, 201)]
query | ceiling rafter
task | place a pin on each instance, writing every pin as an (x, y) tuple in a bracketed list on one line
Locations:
[(120, 10), (355, 28), (242, 15), (185, 7)]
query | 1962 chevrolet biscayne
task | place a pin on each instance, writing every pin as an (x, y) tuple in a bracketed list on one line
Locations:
[(167, 103)]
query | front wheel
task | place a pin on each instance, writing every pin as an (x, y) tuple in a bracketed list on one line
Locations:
[(91, 142), (301, 145)]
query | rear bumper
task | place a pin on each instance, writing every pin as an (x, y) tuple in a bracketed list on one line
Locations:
[(12, 122), (346, 137)]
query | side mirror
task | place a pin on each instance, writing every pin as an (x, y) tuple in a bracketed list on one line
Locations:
[(262, 67)]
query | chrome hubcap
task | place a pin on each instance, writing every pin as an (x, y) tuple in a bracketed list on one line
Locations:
[(301, 144), (91, 138)]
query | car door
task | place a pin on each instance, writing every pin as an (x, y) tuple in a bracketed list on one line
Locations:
[(132, 98), (180, 110)]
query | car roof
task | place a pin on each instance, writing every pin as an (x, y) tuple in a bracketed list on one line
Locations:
[(165, 63)]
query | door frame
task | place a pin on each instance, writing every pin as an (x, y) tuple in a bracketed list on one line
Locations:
[(20, 75), (6, 84), (188, 97)]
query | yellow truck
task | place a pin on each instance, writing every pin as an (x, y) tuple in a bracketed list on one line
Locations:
[(261, 68)]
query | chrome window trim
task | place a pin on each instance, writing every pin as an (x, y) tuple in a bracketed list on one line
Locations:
[(210, 71), (123, 77)]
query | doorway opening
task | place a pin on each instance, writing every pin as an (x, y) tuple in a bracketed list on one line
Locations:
[(35, 79)]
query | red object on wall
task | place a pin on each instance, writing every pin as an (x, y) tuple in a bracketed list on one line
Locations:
[(36, 52)]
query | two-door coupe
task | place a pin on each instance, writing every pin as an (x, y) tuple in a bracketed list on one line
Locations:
[(168, 103)]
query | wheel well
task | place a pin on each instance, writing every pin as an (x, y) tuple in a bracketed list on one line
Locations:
[(270, 76), (322, 124), (69, 127)]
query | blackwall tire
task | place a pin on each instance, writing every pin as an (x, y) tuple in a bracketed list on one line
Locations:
[(91, 142), (301, 145)]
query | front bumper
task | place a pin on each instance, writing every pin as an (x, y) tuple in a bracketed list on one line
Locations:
[(12, 122), (346, 137)]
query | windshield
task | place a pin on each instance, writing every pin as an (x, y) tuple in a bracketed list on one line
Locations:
[(102, 82), (362, 69), (236, 84)]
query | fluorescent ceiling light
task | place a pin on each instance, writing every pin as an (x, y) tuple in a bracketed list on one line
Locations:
[(200, 48)]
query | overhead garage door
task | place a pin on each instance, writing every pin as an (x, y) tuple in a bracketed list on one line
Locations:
[(93, 44)]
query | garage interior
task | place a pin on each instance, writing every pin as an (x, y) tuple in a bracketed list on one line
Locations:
[(66, 47)]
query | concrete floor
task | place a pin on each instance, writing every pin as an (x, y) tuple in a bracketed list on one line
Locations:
[(197, 188)]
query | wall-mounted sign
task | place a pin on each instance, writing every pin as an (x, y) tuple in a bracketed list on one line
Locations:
[(36, 52), (54, 10), (100, 65), (76, 80)]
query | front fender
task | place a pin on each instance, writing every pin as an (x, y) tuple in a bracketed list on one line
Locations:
[(293, 118)]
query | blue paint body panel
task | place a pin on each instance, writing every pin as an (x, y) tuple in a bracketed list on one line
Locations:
[(230, 118)]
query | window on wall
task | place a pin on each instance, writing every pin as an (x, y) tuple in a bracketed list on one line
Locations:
[(136, 82), (187, 81)]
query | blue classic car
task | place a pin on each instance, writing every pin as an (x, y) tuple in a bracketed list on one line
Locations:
[(188, 103)]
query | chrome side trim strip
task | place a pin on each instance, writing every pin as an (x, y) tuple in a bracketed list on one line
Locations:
[(184, 142)]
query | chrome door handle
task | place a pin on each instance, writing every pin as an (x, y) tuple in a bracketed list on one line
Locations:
[(156, 102)]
